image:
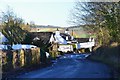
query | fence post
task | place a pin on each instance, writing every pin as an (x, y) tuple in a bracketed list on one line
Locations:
[(22, 57), (15, 59)]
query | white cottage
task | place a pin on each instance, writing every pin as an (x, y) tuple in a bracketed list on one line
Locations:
[(62, 40), (66, 42), (57, 38)]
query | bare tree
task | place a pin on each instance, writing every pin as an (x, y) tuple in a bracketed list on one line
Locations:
[(11, 27), (101, 15)]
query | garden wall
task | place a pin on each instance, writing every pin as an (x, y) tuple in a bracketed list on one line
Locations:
[(16, 59)]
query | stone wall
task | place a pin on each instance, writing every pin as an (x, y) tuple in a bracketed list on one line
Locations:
[(16, 59)]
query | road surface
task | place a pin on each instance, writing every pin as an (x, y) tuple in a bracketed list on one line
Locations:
[(71, 66)]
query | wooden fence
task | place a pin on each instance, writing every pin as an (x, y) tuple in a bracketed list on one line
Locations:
[(15, 59)]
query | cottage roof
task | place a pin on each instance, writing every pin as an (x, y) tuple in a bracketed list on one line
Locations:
[(44, 36), (81, 40)]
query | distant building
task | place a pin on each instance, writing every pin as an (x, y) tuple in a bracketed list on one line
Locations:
[(42, 28)]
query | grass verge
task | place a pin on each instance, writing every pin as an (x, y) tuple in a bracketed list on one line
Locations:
[(109, 56)]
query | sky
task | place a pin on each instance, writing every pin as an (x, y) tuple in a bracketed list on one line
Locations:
[(41, 12)]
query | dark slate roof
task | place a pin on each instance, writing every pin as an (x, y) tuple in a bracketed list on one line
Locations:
[(64, 36), (67, 29), (81, 40), (44, 36)]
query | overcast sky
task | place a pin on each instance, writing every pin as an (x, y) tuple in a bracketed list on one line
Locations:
[(42, 12)]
